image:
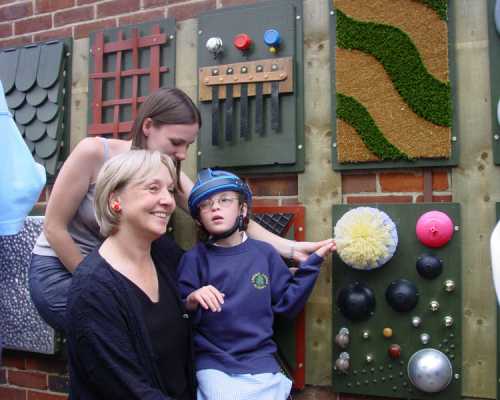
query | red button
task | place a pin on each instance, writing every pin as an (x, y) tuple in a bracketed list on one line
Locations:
[(394, 351), (242, 41)]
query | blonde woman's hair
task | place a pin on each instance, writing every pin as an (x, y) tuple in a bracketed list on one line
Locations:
[(118, 172)]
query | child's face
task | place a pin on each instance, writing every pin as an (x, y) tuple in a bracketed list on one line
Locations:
[(218, 213)]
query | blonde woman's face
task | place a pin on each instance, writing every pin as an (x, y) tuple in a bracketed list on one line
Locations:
[(148, 204), (172, 140)]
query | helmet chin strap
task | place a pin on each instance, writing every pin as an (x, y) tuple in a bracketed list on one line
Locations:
[(239, 225)]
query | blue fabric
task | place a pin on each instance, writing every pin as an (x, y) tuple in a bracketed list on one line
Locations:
[(110, 352), (21, 178), (216, 385), (49, 282), (256, 283)]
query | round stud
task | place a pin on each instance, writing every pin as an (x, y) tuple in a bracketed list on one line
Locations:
[(369, 358), (416, 321), (434, 305), (387, 332), (394, 351), (425, 338), (449, 285), (448, 321), (365, 335)]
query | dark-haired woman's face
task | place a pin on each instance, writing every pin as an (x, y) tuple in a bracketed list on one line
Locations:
[(173, 140)]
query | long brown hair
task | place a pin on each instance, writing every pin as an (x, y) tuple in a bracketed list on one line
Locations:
[(166, 106)]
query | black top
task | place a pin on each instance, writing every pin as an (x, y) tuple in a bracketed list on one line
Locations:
[(110, 351), (169, 329)]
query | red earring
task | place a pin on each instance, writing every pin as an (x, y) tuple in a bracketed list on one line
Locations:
[(116, 206)]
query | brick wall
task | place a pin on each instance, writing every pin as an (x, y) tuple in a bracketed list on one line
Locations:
[(26, 376)]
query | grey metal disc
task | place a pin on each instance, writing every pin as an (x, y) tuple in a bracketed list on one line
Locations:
[(46, 147), (25, 114), (47, 111), (15, 99), (35, 131), (36, 96), (8, 68), (51, 55), (54, 92), (27, 67), (51, 164), (53, 127), (30, 145)]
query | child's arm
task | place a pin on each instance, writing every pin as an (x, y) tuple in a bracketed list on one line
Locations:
[(290, 292), (190, 287)]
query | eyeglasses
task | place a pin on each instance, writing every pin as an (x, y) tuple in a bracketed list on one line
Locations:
[(223, 202)]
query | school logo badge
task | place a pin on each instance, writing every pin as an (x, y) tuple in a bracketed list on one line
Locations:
[(260, 280)]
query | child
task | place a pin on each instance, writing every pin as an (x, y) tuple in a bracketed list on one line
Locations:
[(233, 285)]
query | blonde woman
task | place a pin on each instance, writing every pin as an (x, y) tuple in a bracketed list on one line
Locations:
[(129, 336)]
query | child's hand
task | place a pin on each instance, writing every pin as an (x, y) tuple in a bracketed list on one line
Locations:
[(327, 248), (207, 296)]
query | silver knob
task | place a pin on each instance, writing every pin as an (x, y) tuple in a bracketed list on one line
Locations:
[(343, 338), (449, 285), (343, 363), (365, 334), (416, 321), (214, 45), (369, 358), (434, 305), (425, 338), (448, 321)]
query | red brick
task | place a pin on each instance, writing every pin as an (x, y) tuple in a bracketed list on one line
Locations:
[(155, 3), (190, 10), (73, 15), (12, 393), (15, 42), (378, 199), (359, 183), (401, 182), (45, 396), (53, 34), (35, 24), (116, 7), (16, 11), (3, 376), (46, 364), (5, 30), (45, 6), (137, 18), (230, 3), (30, 379), (83, 2), (13, 359), (84, 29), (440, 179), (3, 2), (274, 185), (443, 198)]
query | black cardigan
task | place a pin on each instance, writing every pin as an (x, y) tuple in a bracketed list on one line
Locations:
[(109, 349)]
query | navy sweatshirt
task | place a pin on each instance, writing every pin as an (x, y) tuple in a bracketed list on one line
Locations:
[(256, 283)]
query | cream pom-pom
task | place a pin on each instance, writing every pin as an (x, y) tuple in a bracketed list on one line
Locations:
[(366, 238)]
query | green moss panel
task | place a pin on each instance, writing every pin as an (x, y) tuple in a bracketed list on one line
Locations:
[(426, 96), (352, 112)]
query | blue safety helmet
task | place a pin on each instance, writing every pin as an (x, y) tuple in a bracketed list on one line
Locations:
[(210, 182)]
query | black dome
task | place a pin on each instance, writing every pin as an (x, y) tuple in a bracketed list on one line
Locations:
[(356, 301), (402, 295)]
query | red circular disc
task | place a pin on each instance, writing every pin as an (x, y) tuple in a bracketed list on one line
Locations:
[(242, 41)]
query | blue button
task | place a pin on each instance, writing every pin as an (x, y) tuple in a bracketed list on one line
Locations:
[(272, 38)]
